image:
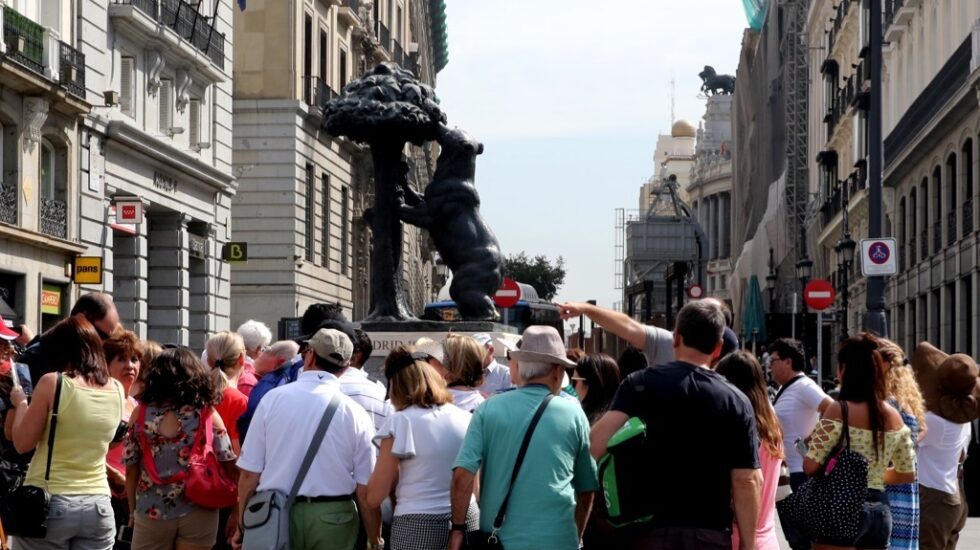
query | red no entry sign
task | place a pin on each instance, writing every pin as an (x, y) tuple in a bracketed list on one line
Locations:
[(819, 294), (509, 293), (695, 292)]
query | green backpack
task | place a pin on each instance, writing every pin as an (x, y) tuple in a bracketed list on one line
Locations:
[(624, 476)]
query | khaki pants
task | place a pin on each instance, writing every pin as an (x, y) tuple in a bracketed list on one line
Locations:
[(323, 525), (942, 517)]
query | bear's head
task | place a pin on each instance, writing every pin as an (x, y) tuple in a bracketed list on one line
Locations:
[(458, 155)]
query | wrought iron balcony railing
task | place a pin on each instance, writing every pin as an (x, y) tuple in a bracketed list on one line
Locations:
[(188, 23), (8, 203), (72, 70), (24, 40), (316, 91), (54, 218)]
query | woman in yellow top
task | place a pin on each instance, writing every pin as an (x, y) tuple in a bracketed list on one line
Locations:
[(91, 403), (876, 432)]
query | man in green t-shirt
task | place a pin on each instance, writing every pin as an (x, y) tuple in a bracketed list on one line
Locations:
[(552, 495)]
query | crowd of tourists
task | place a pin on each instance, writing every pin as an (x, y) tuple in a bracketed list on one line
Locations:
[(110, 441)]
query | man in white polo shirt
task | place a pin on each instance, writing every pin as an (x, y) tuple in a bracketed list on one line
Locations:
[(324, 516), (799, 404)]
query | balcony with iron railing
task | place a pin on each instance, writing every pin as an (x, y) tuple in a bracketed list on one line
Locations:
[(184, 19), (316, 91), (24, 40), (72, 70), (8, 203), (54, 218)]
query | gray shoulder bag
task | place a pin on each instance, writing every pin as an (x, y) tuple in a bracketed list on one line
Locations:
[(266, 517)]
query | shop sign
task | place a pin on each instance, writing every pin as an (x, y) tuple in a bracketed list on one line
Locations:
[(129, 212), (88, 270), (197, 246), (51, 300)]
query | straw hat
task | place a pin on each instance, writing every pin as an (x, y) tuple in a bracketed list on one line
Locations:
[(949, 383), (542, 344)]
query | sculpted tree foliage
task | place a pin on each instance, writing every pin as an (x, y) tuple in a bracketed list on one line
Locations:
[(386, 108), (546, 277)]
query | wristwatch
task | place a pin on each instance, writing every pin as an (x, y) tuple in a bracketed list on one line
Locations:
[(377, 545), (457, 527)]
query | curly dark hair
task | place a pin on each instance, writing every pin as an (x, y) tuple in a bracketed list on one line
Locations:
[(177, 378)]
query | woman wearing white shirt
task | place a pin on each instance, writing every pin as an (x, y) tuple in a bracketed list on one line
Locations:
[(419, 443)]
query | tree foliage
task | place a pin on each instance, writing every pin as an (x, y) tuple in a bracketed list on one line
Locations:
[(546, 277)]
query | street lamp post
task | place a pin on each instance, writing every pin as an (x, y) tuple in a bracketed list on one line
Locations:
[(874, 318), (845, 248), (804, 268)]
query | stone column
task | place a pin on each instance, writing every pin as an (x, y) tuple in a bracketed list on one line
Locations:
[(130, 280), (202, 288), (169, 279)]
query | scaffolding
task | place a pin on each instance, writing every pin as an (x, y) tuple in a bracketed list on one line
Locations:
[(795, 82)]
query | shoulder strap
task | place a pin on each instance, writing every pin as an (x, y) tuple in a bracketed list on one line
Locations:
[(499, 520), (54, 426), (321, 431), (785, 387)]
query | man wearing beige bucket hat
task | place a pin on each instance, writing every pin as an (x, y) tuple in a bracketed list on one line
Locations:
[(551, 495), (951, 390)]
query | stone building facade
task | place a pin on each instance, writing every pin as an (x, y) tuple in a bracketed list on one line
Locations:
[(710, 192), (301, 191)]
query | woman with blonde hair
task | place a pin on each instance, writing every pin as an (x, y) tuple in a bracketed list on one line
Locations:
[(226, 357), (464, 370), (419, 443), (903, 394)]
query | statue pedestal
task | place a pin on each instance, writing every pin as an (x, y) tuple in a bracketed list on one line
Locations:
[(386, 336)]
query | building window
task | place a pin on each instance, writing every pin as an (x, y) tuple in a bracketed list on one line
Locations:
[(166, 106), (324, 56), (951, 206), (194, 123), (950, 320), (53, 176), (343, 68), (310, 212), (398, 25), (127, 86), (345, 230), (47, 170), (308, 57), (325, 221), (968, 187), (937, 207)]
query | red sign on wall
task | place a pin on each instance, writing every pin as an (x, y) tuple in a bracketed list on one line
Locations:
[(129, 212)]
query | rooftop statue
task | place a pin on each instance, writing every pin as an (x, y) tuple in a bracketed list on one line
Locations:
[(714, 84)]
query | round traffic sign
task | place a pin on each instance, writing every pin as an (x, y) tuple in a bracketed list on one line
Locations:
[(509, 293), (879, 252), (695, 292), (819, 294)]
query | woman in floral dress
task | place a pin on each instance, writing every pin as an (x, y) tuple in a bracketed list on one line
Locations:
[(178, 388)]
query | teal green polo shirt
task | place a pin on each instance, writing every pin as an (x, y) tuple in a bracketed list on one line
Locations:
[(541, 511)]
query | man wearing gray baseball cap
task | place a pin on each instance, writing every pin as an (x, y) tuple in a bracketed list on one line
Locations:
[(281, 433)]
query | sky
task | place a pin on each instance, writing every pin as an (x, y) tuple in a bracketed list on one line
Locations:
[(568, 97)]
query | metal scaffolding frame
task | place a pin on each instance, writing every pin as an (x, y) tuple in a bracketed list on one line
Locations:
[(796, 86)]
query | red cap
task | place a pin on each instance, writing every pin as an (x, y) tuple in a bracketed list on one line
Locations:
[(5, 332)]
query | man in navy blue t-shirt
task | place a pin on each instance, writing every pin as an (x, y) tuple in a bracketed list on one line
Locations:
[(702, 443)]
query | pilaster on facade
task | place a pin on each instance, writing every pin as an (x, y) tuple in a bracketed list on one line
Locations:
[(168, 296)]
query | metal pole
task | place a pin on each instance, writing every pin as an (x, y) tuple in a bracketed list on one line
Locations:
[(820, 348), (874, 318), (794, 316), (581, 332), (592, 332)]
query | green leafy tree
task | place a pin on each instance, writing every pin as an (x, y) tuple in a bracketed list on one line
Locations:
[(546, 277)]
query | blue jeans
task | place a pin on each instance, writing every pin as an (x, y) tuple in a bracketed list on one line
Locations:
[(79, 522)]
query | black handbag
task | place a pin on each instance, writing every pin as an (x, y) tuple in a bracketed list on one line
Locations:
[(24, 512), (481, 540), (828, 505)]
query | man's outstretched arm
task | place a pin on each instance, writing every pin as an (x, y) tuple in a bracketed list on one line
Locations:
[(620, 324)]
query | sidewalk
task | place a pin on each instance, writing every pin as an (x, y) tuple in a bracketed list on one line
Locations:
[(969, 537)]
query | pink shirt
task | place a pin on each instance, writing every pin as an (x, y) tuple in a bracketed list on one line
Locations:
[(248, 378), (765, 531)]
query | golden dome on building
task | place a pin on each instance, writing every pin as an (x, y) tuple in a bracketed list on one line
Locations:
[(683, 128)]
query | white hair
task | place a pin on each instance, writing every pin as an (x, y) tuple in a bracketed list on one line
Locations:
[(255, 334), (283, 349), (533, 369)]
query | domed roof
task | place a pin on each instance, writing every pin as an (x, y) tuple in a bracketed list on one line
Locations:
[(684, 128)]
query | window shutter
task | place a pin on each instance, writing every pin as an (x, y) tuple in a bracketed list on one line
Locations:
[(126, 81), (166, 106), (194, 132)]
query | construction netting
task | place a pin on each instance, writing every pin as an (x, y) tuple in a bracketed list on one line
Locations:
[(755, 12)]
